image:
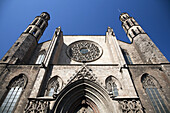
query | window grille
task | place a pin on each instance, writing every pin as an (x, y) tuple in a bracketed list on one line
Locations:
[(154, 94), (15, 89)]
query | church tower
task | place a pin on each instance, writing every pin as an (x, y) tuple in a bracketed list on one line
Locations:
[(23, 48), (149, 70), (148, 51), (84, 73)]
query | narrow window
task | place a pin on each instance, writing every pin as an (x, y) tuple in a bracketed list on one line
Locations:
[(128, 23), (149, 85), (35, 30), (138, 29), (132, 20), (134, 32), (28, 29), (130, 35), (127, 57), (53, 86), (111, 86), (14, 92), (40, 58), (43, 27), (115, 90), (39, 24)]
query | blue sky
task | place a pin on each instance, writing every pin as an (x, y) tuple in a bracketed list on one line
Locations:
[(85, 17)]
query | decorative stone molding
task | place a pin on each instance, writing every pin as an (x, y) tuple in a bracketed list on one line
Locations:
[(149, 81), (131, 106), (18, 81), (84, 73), (36, 105), (84, 51)]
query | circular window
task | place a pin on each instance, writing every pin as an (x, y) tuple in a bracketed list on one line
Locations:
[(84, 51)]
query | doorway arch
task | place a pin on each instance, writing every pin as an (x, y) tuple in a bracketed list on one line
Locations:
[(83, 94)]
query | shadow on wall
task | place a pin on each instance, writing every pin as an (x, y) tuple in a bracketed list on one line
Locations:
[(63, 58), (35, 54)]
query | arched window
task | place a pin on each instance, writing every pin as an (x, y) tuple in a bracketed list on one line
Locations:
[(126, 57), (128, 24), (15, 88), (54, 85), (151, 87), (40, 22), (40, 57), (112, 85), (134, 32), (34, 32)]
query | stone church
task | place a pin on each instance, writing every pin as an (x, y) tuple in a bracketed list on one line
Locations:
[(84, 74)]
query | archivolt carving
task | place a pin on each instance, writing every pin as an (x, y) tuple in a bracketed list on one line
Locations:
[(131, 106), (84, 73), (80, 92), (84, 51)]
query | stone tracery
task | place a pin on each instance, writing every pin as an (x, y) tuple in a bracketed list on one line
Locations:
[(131, 106), (84, 51)]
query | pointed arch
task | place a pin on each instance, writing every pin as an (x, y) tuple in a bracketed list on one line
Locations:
[(15, 88), (81, 93), (54, 85), (152, 89), (113, 85), (20, 81), (149, 81)]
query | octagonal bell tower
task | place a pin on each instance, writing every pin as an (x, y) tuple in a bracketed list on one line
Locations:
[(148, 51), (23, 48)]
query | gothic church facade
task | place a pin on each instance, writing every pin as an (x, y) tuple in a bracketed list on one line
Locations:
[(84, 74)]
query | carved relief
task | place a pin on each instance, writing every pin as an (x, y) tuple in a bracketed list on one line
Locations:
[(37, 106), (131, 106), (84, 51), (83, 73)]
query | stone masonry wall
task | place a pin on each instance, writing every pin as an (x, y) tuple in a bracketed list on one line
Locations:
[(14, 70)]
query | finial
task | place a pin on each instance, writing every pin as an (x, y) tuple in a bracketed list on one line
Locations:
[(57, 31)]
